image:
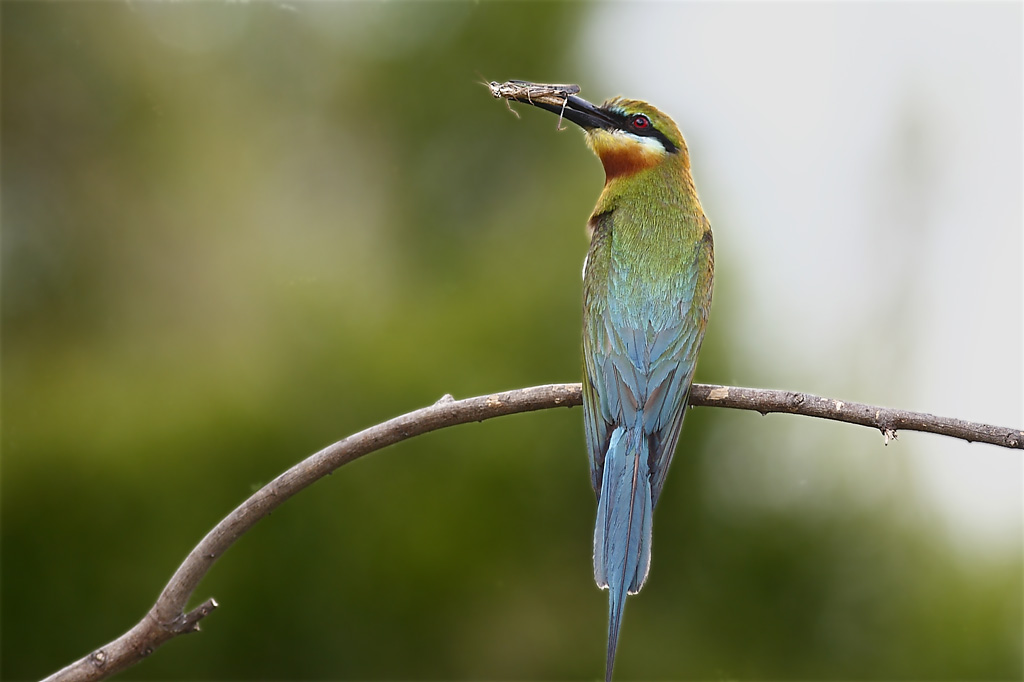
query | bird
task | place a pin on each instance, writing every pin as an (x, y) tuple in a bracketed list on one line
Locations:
[(647, 287)]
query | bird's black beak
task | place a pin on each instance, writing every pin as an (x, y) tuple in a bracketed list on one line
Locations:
[(578, 110)]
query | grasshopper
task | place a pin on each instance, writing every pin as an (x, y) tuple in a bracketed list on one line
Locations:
[(547, 93)]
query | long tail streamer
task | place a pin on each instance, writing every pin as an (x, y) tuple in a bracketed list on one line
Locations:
[(622, 536)]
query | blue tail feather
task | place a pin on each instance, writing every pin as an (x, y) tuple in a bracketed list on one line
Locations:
[(622, 536)]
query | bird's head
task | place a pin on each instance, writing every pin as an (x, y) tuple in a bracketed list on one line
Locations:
[(628, 135)]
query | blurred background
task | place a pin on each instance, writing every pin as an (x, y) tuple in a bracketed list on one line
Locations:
[(233, 234)]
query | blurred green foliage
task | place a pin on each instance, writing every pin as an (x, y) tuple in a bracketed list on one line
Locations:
[(235, 233)]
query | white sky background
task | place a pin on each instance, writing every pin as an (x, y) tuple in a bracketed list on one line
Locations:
[(862, 167)]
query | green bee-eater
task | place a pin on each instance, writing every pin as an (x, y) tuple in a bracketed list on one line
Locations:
[(647, 282)]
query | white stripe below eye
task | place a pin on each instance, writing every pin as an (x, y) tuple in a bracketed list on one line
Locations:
[(652, 143)]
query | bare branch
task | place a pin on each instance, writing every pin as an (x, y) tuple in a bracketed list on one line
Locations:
[(886, 420), (167, 618)]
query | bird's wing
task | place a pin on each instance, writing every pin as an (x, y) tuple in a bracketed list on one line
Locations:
[(668, 396), (647, 371), (596, 414), (668, 389), (643, 363)]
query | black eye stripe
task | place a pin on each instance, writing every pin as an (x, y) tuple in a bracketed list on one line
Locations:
[(625, 123)]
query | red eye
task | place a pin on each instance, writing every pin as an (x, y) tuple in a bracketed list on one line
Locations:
[(641, 122)]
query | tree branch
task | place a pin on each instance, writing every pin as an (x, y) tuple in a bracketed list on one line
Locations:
[(168, 619), (885, 419)]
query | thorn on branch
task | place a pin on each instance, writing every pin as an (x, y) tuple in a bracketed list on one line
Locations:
[(189, 622), (98, 658)]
